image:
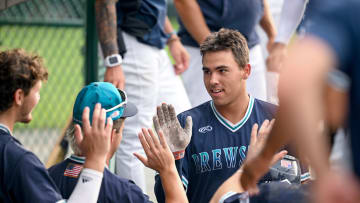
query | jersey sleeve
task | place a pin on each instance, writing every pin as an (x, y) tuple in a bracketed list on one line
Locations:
[(32, 183), (135, 194), (332, 27)]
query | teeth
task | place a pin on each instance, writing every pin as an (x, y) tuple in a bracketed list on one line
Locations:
[(216, 91)]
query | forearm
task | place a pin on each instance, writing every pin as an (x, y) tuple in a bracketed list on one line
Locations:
[(267, 22), (87, 188), (194, 23), (301, 97), (158, 188), (172, 185), (105, 13), (168, 27), (291, 13)]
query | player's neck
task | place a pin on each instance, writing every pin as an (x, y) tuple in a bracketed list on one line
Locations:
[(236, 110), (8, 118)]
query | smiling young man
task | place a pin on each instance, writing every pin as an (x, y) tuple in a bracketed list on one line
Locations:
[(221, 127)]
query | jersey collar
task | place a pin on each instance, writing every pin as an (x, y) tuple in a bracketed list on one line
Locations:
[(77, 159), (233, 127), (80, 159), (5, 128)]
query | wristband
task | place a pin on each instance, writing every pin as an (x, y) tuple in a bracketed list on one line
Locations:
[(179, 154), (173, 37)]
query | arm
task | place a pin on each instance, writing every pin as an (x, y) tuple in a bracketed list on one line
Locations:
[(95, 145), (177, 50), (268, 25), (177, 137), (160, 158), (291, 14), (106, 28), (194, 23), (303, 77)]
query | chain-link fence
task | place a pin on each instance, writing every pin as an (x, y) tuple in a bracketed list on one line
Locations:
[(54, 29)]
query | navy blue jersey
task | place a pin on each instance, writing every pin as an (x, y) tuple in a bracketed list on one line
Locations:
[(113, 188), (274, 192), (23, 178), (217, 148), (338, 26)]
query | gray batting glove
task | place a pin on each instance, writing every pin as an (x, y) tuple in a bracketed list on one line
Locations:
[(176, 137)]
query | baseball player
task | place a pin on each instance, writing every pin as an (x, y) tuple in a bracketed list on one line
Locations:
[(114, 188), (222, 126), (23, 178)]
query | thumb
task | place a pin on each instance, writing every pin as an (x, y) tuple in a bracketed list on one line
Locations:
[(278, 156), (143, 159), (188, 125), (78, 135)]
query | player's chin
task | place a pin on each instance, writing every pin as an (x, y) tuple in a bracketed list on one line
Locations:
[(219, 101), (26, 119)]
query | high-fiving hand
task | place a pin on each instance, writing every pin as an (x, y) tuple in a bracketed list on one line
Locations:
[(165, 121)]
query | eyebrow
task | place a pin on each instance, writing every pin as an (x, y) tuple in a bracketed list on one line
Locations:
[(217, 68)]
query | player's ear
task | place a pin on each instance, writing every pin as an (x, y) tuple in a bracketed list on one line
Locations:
[(19, 97), (247, 71)]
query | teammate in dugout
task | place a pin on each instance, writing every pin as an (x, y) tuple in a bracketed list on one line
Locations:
[(115, 188), (23, 178), (221, 126)]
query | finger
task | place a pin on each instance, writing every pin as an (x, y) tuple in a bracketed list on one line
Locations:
[(156, 124), (163, 140), (186, 60), (165, 110), (271, 125), (143, 142), (113, 136), (148, 139), (160, 115), (109, 126), (85, 120), (143, 159), (253, 136), (278, 156), (177, 69), (102, 118), (188, 125), (154, 139), (253, 190), (78, 135), (96, 114), (172, 114), (263, 128)]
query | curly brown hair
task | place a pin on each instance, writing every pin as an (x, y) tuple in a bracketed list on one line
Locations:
[(18, 70), (227, 39)]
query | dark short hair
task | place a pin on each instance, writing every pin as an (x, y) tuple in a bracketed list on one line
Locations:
[(227, 39), (18, 70)]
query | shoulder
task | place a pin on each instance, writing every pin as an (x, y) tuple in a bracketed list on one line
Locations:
[(59, 167), (124, 187), (121, 184), (12, 151), (265, 107), (196, 112)]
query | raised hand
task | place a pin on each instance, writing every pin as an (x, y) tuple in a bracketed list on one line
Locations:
[(94, 142), (158, 154), (166, 122), (254, 166)]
